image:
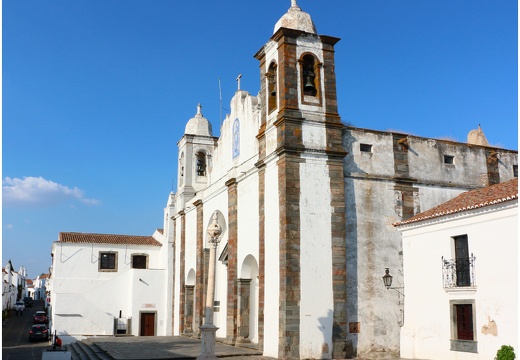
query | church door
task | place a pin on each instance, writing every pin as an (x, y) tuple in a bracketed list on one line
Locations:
[(147, 324)]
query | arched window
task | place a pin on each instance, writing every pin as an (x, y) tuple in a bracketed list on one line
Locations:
[(272, 87), (181, 169), (236, 138), (310, 75), (201, 163)]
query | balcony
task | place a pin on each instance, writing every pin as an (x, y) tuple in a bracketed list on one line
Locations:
[(458, 273)]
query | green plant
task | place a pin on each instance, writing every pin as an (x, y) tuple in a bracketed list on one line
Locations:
[(506, 352)]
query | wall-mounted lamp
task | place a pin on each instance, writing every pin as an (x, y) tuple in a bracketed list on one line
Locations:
[(387, 280)]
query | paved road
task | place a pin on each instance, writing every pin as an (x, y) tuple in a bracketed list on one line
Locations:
[(15, 337)]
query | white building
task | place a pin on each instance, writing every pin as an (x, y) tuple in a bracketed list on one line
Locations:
[(39, 287), (461, 276), (9, 290), (109, 284)]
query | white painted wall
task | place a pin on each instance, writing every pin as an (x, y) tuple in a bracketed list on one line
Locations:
[(493, 239), (316, 312), (86, 301)]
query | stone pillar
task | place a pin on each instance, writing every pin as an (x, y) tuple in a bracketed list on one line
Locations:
[(199, 274), (231, 323), (182, 276), (188, 312), (492, 167), (261, 253), (244, 294), (290, 284)]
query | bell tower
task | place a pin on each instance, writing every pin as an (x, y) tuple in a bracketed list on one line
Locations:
[(195, 153), (300, 143)]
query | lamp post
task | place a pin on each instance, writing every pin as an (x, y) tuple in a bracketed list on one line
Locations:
[(209, 330)]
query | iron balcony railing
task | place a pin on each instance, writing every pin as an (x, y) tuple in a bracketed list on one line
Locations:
[(458, 272)]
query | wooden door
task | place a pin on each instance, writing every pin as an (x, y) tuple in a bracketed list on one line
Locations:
[(147, 324)]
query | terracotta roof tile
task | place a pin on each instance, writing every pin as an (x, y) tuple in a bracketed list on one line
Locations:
[(469, 200), (82, 238), (161, 231)]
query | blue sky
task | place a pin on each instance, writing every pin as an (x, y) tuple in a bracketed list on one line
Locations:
[(96, 94)]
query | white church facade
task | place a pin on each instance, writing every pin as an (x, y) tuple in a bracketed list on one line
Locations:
[(306, 205)]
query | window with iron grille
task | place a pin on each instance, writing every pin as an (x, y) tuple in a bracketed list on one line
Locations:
[(462, 260), (460, 271)]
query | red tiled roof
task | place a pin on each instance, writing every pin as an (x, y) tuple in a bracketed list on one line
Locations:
[(82, 238), (469, 200), (28, 281), (45, 276), (161, 231)]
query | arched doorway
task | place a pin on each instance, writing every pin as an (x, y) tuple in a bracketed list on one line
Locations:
[(248, 301), (189, 308)]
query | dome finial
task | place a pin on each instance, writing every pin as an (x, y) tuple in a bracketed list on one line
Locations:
[(296, 19), (199, 109)]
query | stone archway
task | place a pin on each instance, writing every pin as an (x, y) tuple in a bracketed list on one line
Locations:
[(189, 296), (247, 321)]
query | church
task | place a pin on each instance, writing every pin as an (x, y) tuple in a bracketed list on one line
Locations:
[(306, 206)]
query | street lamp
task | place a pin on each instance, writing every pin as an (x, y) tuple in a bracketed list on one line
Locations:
[(209, 330)]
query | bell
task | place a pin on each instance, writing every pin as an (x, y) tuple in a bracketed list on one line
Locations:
[(309, 84), (273, 93)]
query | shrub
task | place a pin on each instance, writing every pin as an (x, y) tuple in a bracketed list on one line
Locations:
[(506, 352)]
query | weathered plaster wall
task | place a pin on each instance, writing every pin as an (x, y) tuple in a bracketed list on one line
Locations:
[(381, 189)]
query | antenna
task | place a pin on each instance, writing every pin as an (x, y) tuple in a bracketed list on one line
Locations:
[(220, 94)]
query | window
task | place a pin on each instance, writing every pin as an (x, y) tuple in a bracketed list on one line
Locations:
[(365, 148), (271, 87), (515, 170), (201, 163), (462, 261), (236, 138), (108, 261), (309, 76), (448, 159), (139, 261)]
